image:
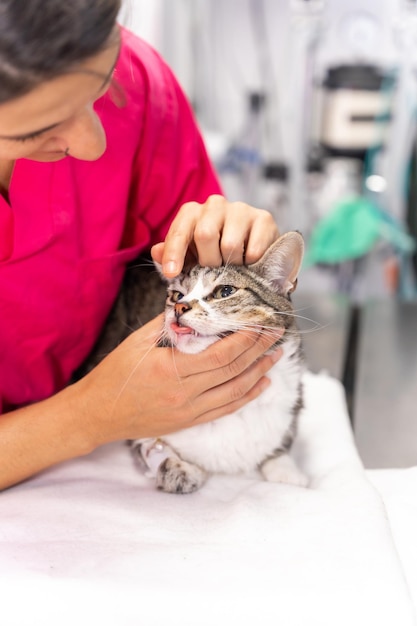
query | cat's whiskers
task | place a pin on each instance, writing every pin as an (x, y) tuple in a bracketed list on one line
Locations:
[(295, 316), (226, 264), (266, 330), (271, 330), (234, 326), (134, 369), (181, 381), (144, 263)]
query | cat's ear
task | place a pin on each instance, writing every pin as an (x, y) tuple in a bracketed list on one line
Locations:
[(281, 262), (189, 263), (158, 266)]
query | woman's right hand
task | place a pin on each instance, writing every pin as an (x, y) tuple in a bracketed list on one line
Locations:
[(141, 390)]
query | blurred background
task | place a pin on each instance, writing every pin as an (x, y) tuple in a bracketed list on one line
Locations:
[(308, 109)]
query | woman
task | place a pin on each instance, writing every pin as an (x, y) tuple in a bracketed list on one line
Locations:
[(100, 158)]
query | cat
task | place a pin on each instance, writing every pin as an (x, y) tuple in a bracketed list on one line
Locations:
[(202, 305)]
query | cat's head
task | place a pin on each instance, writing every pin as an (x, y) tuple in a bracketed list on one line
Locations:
[(205, 303)]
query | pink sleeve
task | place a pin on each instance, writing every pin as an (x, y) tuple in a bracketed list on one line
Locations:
[(172, 166)]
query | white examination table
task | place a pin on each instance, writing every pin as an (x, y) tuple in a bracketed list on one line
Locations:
[(91, 542)]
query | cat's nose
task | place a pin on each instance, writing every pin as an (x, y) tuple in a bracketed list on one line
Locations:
[(181, 308)]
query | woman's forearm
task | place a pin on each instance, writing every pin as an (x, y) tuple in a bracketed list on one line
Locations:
[(41, 435)]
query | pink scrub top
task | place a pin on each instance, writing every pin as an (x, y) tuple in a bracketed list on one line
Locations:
[(70, 227)]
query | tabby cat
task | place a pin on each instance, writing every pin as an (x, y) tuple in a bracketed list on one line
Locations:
[(203, 305)]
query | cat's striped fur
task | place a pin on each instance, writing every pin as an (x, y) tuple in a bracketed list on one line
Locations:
[(203, 305), (210, 303)]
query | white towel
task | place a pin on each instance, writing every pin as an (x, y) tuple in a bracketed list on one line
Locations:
[(91, 542), (398, 488)]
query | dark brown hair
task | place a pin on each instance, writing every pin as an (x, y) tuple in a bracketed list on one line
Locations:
[(40, 39)]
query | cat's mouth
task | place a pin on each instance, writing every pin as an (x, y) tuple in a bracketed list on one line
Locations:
[(182, 330)]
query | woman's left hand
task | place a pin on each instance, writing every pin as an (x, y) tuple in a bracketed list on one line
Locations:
[(215, 232)]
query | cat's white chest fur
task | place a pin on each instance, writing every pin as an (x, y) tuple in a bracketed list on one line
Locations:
[(240, 441)]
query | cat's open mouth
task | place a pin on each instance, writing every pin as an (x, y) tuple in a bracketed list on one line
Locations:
[(183, 330)]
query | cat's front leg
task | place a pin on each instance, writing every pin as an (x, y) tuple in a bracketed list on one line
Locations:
[(177, 476), (282, 469), (172, 474)]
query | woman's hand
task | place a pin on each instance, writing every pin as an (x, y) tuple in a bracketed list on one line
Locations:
[(137, 391), (140, 390), (215, 232)]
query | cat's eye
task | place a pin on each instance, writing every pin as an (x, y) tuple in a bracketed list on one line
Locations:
[(224, 291), (176, 295)]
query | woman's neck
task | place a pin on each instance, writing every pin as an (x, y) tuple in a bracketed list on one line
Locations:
[(6, 170)]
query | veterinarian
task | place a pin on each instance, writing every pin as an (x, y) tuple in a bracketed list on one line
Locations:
[(100, 159)]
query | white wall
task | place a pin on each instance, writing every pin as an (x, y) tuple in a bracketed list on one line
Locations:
[(144, 17), (222, 49)]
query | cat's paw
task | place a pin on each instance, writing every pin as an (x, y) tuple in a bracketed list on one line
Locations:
[(177, 476), (282, 469)]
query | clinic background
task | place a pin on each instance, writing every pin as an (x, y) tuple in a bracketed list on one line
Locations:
[(308, 110)]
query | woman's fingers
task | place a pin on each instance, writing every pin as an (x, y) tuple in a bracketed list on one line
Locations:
[(171, 253), (263, 233), (225, 359), (235, 393), (216, 232), (141, 390)]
